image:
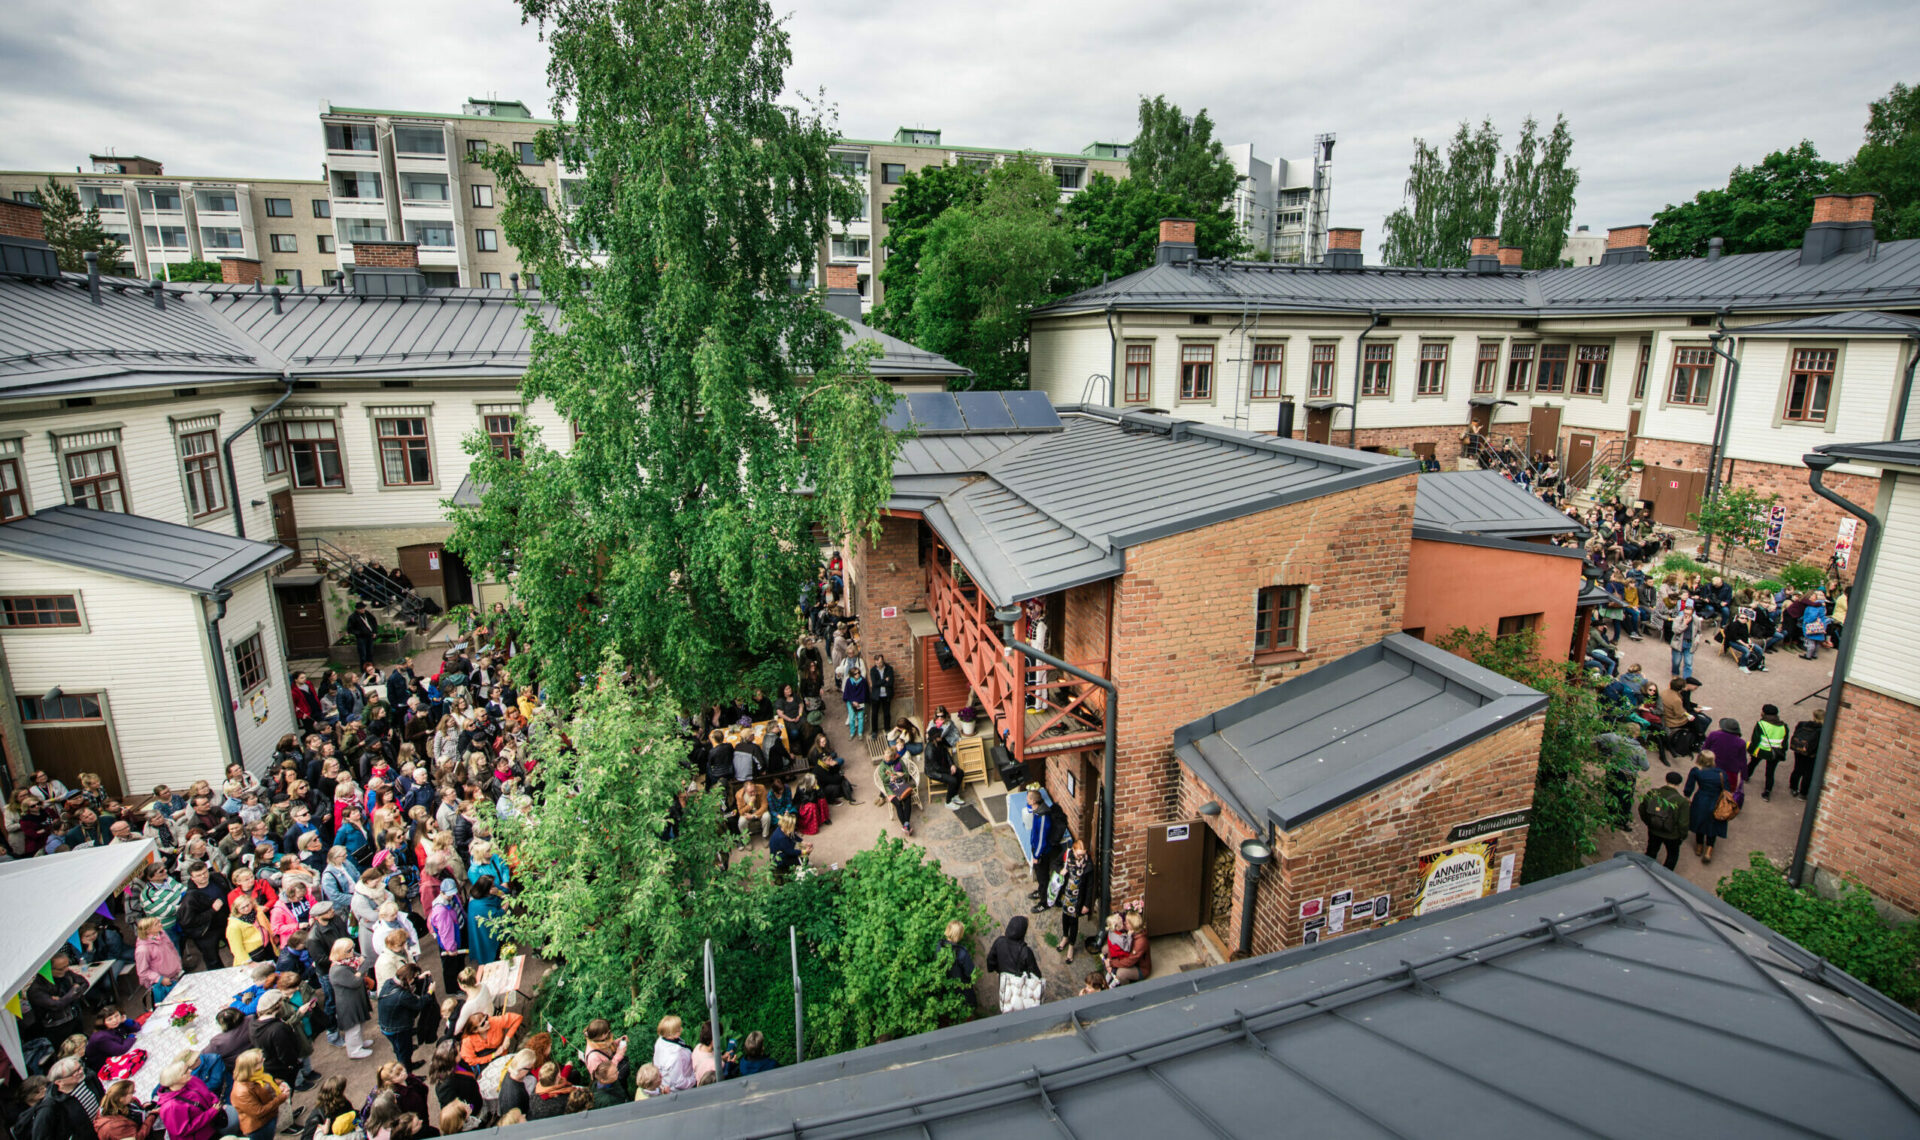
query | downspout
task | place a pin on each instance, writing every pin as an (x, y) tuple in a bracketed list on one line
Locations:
[(1721, 421), (226, 453), (1359, 366), (1248, 333), (1113, 359), (1817, 464), (1906, 391), (220, 598), (1007, 616)]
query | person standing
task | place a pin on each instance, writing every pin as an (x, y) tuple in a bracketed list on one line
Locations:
[(257, 1096), (1045, 834), (362, 626), (1019, 970), (1813, 624), (1768, 745), (856, 692), (880, 680), (1703, 787), (350, 1003), (1805, 742), (960, 968), (1075, 870), (671, 1056), (1685, 625), (1729, 755), (401, 1001), (1667, 815)]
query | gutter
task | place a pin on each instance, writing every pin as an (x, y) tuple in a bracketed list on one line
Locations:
[(1113, 357), (1723, 419), (229, 730), (1007, 616), (1817, 464), (226, 453), (1359, 366)]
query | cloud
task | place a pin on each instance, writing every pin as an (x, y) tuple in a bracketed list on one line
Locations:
[(1663, 99)]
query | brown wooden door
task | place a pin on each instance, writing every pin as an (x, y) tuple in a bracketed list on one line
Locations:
[(1675, 493), (1319, 425), (1545, 431), (424, 564), (65, 748), (1176, 892), (1633, 434), (1480, 416), (937, 686), (1580, 458), (286, 529), (303, 615)]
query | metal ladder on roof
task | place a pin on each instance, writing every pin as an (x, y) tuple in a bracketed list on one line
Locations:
[(380, 589)]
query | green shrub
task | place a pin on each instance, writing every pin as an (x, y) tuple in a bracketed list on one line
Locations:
[(1847, 931), (1678, 563), (1767, 585), (1802, 577)]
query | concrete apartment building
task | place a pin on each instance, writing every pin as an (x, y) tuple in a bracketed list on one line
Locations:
[(1281, 206), (164, 220)]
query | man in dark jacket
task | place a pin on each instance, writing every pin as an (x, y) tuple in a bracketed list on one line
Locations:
[(400, 1004), (56, 1003), (284, 1051), (203, 912), (880, 691), (362, 626), (64, 1113)]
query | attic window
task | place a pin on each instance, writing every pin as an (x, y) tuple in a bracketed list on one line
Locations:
[(1699, 321), (1202, 318)]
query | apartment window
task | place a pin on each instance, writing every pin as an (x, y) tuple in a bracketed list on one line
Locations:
[(1276, 624), (1486, 368), (27, 197), (431, 235), (284, 243), (476, 146), (313, 449), (405, 460), (323, 207), (1139, 379), (361, 229), (489, 280), (1196, 372), (1552, 376), (351, 136), (525, 154), (249, 662), (1070, 177), (502, 430), (279, 207), (1320, 375), (166, 237), (419, 140), (532, 280), (1520, 367), (573, 191), (1810, 384), (848, 246), (273, 449), (200, 463), (323, 243), (357, 184), (221, 237), (1432, 380), (486, 241), (893, 173), (101, 198), (482, 196), (93, 479), (1590, 369), (69, 706), (423, 187), (219, 202), (287, 277), (1640, 370), (49, 611), (13, 491), (160, 198), (1376, 371), (1268, 363), (1517, 624), (1692, 376)]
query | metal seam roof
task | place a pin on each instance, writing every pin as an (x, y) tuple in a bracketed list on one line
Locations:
[(133, 546), (1893, 453), (1486, 502)]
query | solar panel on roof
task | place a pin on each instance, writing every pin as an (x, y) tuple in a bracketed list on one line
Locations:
[(935, 411), (1031, 409), (899, 417), (984, 411)]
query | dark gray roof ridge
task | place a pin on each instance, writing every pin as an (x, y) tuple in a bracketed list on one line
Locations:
[(139, 548), (1893, 452)]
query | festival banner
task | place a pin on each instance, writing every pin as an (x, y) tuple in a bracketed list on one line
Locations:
[(1455, 874)]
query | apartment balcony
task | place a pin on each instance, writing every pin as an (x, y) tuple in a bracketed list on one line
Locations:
[(1035, 709)]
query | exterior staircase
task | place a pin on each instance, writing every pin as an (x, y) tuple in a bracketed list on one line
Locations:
[(398, 603)]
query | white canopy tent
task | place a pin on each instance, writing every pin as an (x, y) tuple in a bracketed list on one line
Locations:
[(45, 900)]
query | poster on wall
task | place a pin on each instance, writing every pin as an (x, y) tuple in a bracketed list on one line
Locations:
[(1843, 544), (1455, 874), (1776, 526)]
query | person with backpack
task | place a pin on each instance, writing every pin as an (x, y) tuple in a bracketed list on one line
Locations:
[(1767, 745), (1667, 816), (1804, 743), (1813, 624)]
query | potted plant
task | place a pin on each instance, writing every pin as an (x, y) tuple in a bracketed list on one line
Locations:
[(1636, 465), (968, 718)]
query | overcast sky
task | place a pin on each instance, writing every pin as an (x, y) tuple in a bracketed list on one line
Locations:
[(1664, 98)]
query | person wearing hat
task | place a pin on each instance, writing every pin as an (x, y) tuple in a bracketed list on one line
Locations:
[(1729, 749)]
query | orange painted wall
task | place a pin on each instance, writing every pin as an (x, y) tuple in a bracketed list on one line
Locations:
[(1452, 584)]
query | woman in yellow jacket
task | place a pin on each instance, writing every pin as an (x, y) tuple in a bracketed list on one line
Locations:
[(246, 937), (256, 1096)]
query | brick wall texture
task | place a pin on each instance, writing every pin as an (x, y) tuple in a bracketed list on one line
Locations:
[(1812, 522), (22, 220), (386, 254), (888, 573), (1871, 802)]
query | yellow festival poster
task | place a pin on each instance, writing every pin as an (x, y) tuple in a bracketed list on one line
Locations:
[(1457, 873)]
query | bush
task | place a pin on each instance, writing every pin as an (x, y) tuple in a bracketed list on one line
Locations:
[(1802, 577), (1847, 931), (1677, 563)]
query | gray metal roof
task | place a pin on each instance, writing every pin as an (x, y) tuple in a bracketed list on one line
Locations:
[(1031, 514), (1486, 502), (1857, 322), (1467, 538), (459, 331), (900, 359), (144, 549), (1613, 1001), (1322, 739), (1885, 276), (53, 338), (1892, 453)]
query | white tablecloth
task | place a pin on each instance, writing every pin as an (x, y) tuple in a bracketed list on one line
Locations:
[(209, 992)]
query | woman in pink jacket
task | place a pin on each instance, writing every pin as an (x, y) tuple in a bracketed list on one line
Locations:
[(289, 913), (156, 961), (190, 1110)]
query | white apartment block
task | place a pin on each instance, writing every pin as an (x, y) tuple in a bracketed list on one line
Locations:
[(1276, 202)]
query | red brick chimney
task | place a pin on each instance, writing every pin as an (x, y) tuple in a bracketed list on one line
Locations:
[(1176, 229), (1626, 237), (1344, 238), (22, 220), (843, 277), (1842, 223), (1483, 246), (385, 254), (1343, 249), (1510, 256), (1177, 242), (240, 270)]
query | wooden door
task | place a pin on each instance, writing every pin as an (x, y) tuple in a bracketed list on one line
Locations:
[(1675, 493), (1176, 892), (303, 615), (1544, 434), (1424, 450), (458, 583), (286, 529), (422, 564), (1319, 425), (1480, 416), (83, 743), (1580, 459), (938, 686), (1633, 434)]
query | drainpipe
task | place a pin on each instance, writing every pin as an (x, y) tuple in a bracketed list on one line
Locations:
[(1007, 616), (1817, 464), (1724, 419), (1114, 364), (1906, 391), (226, 451), (1359, 366), (227, 712)]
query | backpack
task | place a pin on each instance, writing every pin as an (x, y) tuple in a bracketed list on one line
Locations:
[(1806, 738), (1664, 815)]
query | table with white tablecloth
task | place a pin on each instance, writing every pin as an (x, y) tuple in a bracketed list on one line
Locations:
[(209, 992)]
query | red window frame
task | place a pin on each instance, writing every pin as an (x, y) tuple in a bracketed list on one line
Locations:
[(1320, 375), (1269, 366), (249, 662), (100, 490), (13, 490), (1810, 385), (1432, 380), (1640, 371), (200, 463), (1196, 372), (1590, 369), (503, 431), (1520, 367), (1551, 377), (1692, 380), (1276, 621), (1486, 369), (40, 611), (1139, 374), (1376, 371), (405, 449)]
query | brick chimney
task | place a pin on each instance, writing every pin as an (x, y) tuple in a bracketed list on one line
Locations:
[(1510, 256), (24, 251), (1842, 223), (387, 269), (240, 270), (1625, 245), (386, 255), (1343, 249), (22, 220), (843, 291), (1483, 255), (1177, 242)]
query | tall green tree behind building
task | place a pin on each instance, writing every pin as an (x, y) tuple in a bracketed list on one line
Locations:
[(704, 391), (74, 232), (923, 196), (1764, 206), (1525, 199), (1888, 163)]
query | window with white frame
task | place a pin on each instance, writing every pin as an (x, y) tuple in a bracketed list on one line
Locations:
[(1432, 380), (482, 196), (284, 243), (486, 241), (406, 456), (1590, 369)]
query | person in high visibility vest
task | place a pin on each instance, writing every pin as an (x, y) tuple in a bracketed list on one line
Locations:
[(1768, 743)]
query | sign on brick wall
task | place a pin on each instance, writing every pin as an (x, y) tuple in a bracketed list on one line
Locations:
[(1453, 875), (1487, 825)]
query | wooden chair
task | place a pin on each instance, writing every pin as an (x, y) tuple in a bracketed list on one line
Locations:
[(970, 756)]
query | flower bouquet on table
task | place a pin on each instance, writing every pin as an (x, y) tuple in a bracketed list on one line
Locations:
[(183, 1015)]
